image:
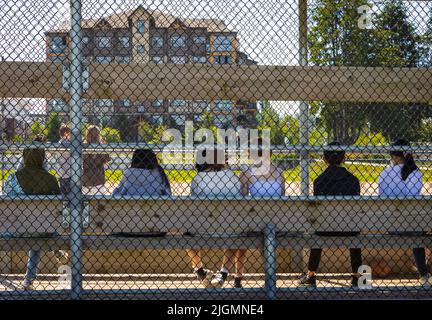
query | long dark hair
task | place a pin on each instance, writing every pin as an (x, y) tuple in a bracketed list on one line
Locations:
[(409, 163), (202, 165), (147, 159)]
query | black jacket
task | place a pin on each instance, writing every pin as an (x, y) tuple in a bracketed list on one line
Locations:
[(336, 181)]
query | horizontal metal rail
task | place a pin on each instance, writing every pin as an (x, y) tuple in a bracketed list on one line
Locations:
[(214, 198), (223, 82), (207, 242), (126, 147)]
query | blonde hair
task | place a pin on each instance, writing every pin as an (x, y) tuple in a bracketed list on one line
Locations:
[(93, 135)]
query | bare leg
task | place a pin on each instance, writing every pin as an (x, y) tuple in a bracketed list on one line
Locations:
[(228, 260), (195, 257), (240, 256)]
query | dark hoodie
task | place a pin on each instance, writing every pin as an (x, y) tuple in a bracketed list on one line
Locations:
[(33, 178), (336, 181)]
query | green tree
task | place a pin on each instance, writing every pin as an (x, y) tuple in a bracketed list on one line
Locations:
[(150, 133), (372, 139), (335, 39), (111, 135), (268, 118), (396, 45), (53, 127), (37, 129)]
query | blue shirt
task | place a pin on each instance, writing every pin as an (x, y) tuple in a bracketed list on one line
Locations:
[(390, 182)]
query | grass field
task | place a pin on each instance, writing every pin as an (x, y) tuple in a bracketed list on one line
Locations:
[(364, 172)]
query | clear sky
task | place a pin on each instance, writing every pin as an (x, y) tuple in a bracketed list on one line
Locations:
[(267, 29)]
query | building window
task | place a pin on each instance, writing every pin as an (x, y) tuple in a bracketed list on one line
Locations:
[(157, 42), (124, 60), (222, 43), (157, 103), (103, 59), (158, 59), (85, 40), (140, 48), (200, 40), (103, 42), (141, 108), (125, 103), (178, 59), (125, 42), (222, 60), (58, 45), (140, 26), (58, 105), (178, 41), (200, 106), (222, 121), (87, 59), (223, 105), (57, 58), (157, 119), (199, 59), (178, 106), (179, 119)]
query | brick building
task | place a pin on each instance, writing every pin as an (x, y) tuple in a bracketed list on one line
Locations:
[(149, 36)]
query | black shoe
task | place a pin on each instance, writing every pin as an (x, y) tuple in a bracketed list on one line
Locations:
[(354, 281), (306, 281), (237, 282), (204, 275)]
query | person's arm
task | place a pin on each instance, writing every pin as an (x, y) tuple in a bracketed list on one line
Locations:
[(12, 187), (56, 188), (194, 187), (244, 183), (167, 184), (357, 188), (381, 183), (120, 187), (283, 183), (316, 188), (414, 183)]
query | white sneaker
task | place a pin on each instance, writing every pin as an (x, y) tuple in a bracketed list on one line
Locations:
[(218, 280), (426, 281)]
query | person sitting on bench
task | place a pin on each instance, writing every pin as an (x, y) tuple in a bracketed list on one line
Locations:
[(403, 178), (32, 179), (262, 179), (334, 181), (213, 179), (145, 177)]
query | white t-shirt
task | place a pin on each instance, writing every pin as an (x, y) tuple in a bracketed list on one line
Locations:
[(390, 182), (219, 183)]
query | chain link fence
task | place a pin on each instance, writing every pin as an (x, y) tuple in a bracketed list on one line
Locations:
[(231, 149)]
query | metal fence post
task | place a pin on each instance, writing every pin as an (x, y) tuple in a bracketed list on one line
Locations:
[(270, 260), (76, 197), (298, 254), (304, 106)]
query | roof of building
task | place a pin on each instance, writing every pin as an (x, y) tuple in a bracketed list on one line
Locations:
[(162, 20)]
